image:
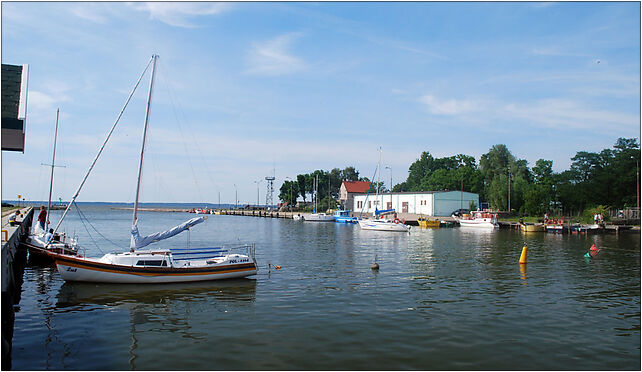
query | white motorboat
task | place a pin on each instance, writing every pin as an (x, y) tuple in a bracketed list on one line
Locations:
[(319, 217), (161, 265), (478, 219)]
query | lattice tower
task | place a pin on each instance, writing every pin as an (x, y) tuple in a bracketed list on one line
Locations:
[(270, 191)]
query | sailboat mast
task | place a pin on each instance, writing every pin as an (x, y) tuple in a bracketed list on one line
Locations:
[(93, 163), (142, 150), (378, 179), (53, 163)]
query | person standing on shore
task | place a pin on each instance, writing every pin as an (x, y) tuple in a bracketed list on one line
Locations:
[(42, 217)]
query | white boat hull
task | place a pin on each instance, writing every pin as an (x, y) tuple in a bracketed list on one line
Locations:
[(379, 225), (127, 268), (319, 217), (484, 223)]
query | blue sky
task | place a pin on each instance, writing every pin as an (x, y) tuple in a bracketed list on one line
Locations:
[(243, 88)]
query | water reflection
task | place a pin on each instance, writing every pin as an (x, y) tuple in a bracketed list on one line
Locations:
[(79, 295), (169, 309)]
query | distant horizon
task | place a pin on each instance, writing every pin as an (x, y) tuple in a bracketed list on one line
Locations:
[(37, 202)]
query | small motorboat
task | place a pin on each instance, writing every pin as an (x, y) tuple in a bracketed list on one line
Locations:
[(426, 222), (343, 216)]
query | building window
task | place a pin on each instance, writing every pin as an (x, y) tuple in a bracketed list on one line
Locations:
[(404, 207)]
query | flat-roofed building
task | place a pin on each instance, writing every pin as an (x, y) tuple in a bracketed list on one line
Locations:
[(428, 203)]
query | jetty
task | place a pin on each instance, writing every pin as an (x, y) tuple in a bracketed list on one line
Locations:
[(408, 218), (13, 264)]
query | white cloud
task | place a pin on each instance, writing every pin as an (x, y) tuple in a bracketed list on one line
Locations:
[(274, 58), (556, 113), (179, 14), (42, 106), (90, 11), (567, 114), (448, 107)]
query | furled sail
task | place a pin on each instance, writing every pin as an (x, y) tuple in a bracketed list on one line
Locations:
[(138, 241)]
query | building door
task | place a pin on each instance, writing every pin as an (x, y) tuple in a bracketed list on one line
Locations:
[(404, 207), (388, 205)]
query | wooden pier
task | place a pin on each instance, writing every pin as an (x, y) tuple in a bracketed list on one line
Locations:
[(13, 264)]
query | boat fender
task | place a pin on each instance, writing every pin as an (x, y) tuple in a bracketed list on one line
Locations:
[(404, 221)]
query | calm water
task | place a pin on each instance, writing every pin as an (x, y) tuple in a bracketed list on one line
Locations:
[(443, 299)]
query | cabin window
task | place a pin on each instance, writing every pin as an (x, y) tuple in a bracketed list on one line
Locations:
[(151, 263)]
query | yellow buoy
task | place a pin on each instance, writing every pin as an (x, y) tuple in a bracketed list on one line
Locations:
[(522, 258)]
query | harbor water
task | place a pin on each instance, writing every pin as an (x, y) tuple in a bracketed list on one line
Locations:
[(443, 299)]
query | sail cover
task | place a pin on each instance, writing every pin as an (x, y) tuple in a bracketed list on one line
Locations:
[(378, 212), (138, 241)]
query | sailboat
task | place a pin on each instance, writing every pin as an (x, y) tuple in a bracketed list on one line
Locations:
[(315, 216), (380, 222), (38, 243), (159, 265)]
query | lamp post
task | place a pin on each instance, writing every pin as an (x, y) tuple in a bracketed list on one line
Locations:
[(257, 191), (637, 183), (236, 197), (390, 168), (509, 192)]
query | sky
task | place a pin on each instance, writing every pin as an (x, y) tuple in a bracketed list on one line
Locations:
[(249, 90)]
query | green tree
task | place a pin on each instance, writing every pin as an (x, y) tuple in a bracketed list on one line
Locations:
[(289, 192), (349, 174), (302, 185)]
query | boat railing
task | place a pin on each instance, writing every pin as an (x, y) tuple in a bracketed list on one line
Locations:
[(183, 254)]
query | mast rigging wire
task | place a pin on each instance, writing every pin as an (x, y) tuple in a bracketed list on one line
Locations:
[(73, 199)]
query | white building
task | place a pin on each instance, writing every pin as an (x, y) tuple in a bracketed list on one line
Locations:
[(428, 203)]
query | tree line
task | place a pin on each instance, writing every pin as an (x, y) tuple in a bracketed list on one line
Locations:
[(607, 179), (503, 181), (329, 183)]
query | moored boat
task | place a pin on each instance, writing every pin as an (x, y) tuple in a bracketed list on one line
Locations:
[(554, 228), (584, 229), (426, 222), (319, 217), (478, 219), (160, 265), (343, 216), (383, 225), (380, 223), (41, 240), (537, 227)]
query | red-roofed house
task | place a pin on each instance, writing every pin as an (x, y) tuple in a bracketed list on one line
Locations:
[(348, 189)]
